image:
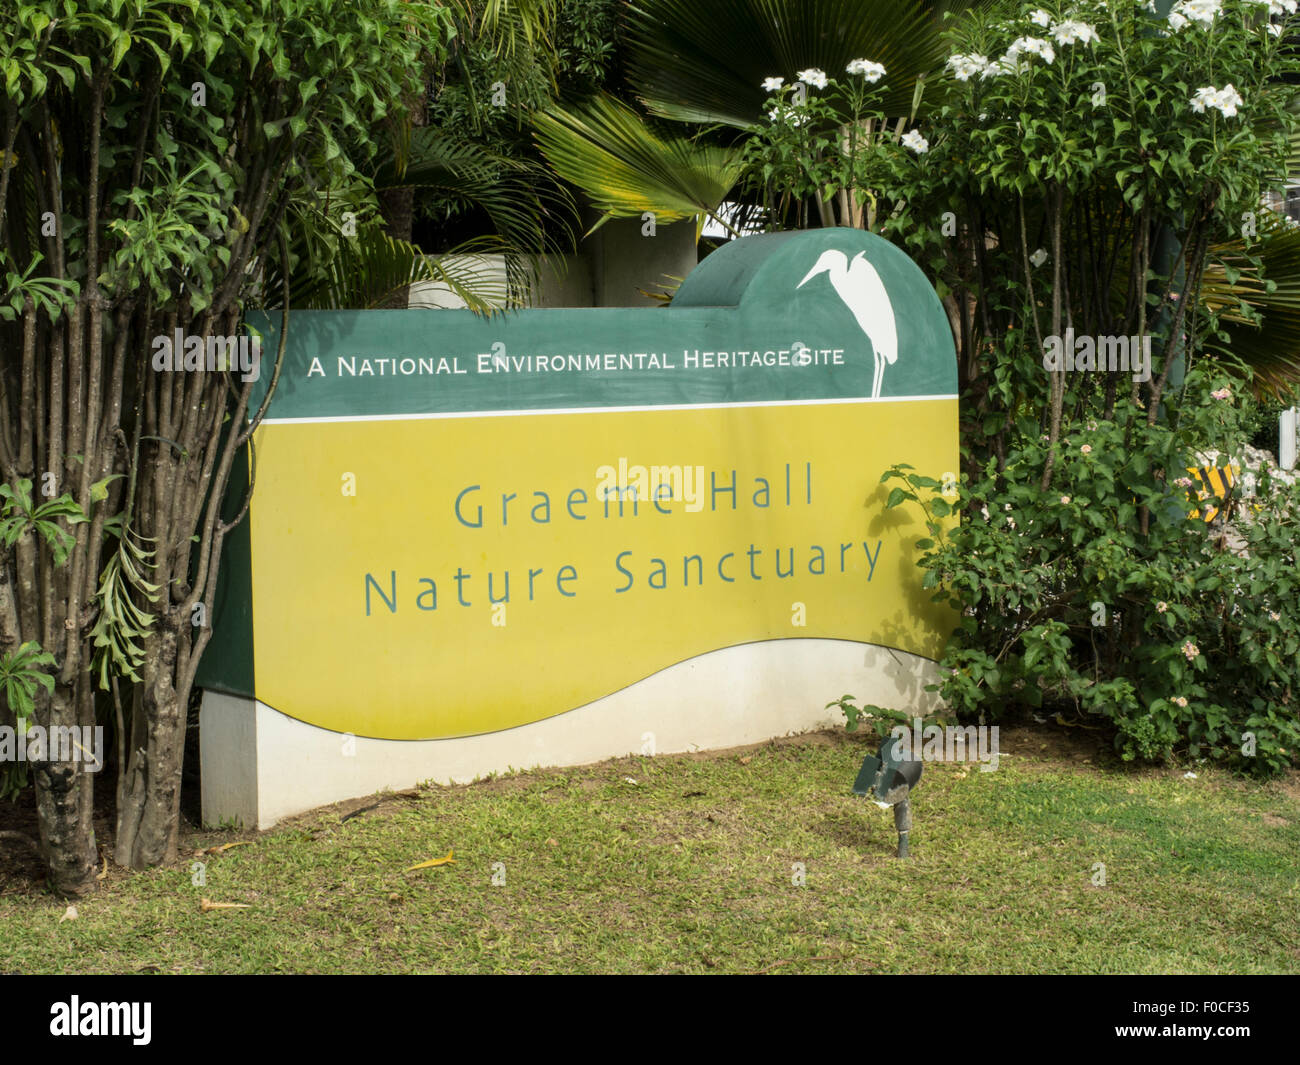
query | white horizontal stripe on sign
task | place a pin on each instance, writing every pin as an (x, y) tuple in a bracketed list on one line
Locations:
[(593, 410)]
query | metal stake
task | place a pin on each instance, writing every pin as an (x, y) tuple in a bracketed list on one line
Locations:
[(903, 823)]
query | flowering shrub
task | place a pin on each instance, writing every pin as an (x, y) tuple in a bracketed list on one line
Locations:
[(1086, 168), (1179, 646), (820, 147)]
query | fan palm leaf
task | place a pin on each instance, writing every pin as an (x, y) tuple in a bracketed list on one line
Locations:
[(526, 209), (626, 167), (1271, 347), (705, 63), (361, 272)]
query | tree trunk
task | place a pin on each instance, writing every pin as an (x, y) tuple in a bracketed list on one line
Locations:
[(398, 204), (149, 792), (65, 798), (398, 207)]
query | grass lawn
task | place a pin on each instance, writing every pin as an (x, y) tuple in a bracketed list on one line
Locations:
[(692, 868)]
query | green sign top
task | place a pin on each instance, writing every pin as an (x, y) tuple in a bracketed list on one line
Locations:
[(820, 315)]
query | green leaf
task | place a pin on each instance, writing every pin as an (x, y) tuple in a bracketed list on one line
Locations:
[(121, 45), (99, 490)]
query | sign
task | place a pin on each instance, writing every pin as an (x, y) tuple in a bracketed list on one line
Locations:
[(465, 524)]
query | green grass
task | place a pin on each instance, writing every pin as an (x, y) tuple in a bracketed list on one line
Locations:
[(691, 869)]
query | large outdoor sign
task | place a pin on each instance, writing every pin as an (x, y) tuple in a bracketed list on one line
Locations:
[(464, 524)]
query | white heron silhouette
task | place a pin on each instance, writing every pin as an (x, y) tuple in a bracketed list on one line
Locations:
[(859, 287)]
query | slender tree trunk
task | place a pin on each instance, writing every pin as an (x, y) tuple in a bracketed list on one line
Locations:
[(149, 815), (65, 797), (1058, 376), (398, 207), (398, 204)]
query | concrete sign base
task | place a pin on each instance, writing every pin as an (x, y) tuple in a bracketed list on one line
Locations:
[(260, 766)]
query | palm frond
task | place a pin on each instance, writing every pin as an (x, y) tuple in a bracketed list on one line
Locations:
[(627, 168), (512, 25), (705, 62), (369, 268), (525, 207), (1270, 348)]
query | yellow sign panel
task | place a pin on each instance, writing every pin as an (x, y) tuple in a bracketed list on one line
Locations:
[(444, 576)]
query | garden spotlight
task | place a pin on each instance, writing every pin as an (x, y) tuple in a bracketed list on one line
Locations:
[(890, 775)]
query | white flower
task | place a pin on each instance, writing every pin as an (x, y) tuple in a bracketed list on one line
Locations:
[(1039, 257), (1071, 31), (1040, 17), (1276, 7), (779, 112), (772, 84), (812, 77), (1225, 100), (965, 67), (1229, 100), (913, 139), (873, 72), (1030, 46), (1004, 65), (1202, 11), (1276, 31)]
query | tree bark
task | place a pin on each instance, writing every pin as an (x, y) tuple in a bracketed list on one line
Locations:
[(397, 205), (65, 799), (149, 810)]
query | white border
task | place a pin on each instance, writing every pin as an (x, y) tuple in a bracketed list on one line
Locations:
[(595, 410)]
